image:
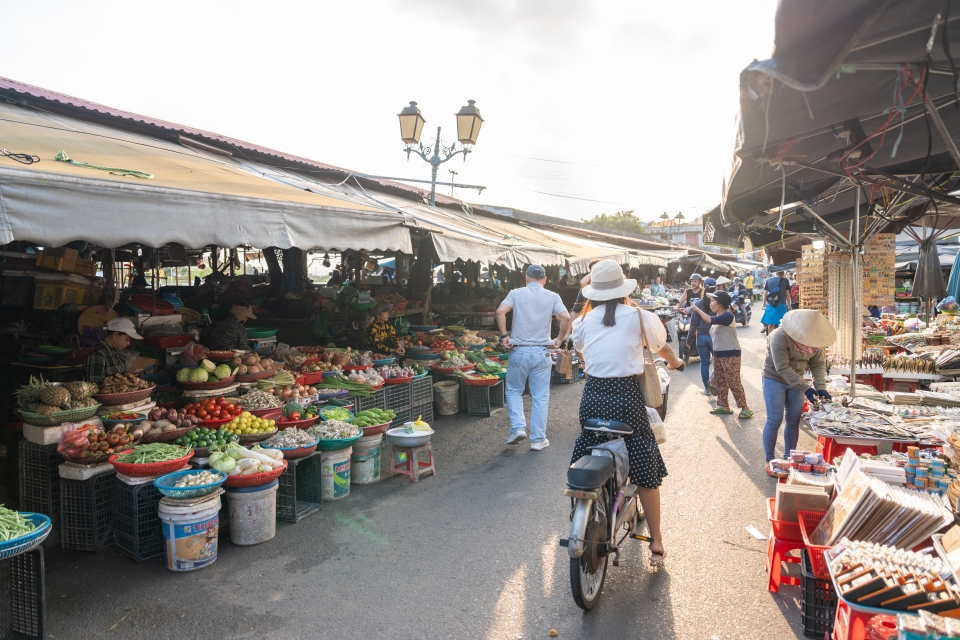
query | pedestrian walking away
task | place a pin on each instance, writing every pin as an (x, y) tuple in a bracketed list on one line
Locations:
[(610, 338), (533, 310), (776, 301), (726, 354), (699, 333), (797, 345)]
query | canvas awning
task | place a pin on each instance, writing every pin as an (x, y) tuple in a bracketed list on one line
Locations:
[(193, 198)]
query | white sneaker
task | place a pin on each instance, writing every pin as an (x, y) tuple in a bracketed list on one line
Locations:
[(539, 446), (516, 437)]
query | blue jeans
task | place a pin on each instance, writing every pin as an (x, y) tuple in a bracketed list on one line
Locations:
[(778, 397), (531, 364), (705, 348)]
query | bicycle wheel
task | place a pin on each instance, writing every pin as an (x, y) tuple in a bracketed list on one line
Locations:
[(589, 571)]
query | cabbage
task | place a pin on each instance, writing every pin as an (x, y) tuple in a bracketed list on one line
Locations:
[(225, 464), (183, 375), (222, 371), (199, 375), (209, 366)]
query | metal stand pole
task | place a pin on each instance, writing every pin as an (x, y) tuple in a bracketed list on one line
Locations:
[(855, 277)]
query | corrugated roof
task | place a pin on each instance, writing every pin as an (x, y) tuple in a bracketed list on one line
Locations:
[(9, 86)]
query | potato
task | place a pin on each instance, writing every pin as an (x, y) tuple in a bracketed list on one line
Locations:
[(251, 369), (237, 361), (241, 369), (249, 360)]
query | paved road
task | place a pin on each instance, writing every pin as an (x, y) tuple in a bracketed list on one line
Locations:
[(472, 552)]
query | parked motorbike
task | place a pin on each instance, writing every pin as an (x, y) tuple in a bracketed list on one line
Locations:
[(605, 511), (742, 308), (685, 350)]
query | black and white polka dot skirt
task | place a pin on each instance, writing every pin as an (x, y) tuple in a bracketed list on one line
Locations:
[(620, 399)]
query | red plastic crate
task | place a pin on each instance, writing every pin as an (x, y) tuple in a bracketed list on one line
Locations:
[(856, 623), (168, 342), (808, 522), (783, 530), (309, 378)]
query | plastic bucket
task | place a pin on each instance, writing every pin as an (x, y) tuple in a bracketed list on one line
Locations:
[(365, 460), (190, 532), (253, 513), (335, 474), (447, 397)]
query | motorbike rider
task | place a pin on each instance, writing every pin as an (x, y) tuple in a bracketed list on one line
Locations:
[(740, 296), (695, 291)]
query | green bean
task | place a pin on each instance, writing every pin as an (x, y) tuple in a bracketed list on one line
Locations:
[(156, 452), (13, 525)]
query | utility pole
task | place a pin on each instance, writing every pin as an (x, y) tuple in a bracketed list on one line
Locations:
[(453, 178)]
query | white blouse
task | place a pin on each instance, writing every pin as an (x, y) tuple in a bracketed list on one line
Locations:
[(614, 352)]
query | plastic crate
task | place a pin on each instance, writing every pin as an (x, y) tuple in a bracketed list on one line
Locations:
[(23, 598), (783, 530), (85, 267), (55, 322), (17, 291), (40, 479), (818, 601), (86, 512), (299, 494), (402, 416), (376, 400), (425, 411), (482, 401), (52, 295), (808, 522), (556, 378), (421, 391), (397, 396), (137, 531)]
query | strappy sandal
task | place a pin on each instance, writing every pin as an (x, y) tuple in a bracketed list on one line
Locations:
[(746, 413), (720, 411)]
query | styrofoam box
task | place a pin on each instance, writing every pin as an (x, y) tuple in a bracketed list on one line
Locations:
[(50, 435), (73, 471)]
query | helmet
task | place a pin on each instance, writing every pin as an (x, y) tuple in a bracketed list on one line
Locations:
[(709, 282), (696, 276), (737, 280)]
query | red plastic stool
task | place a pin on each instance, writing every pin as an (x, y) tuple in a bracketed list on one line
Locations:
[(406, 461), (777, 551), (830, 448), (851, 624)]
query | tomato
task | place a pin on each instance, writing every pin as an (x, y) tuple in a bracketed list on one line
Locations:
[(221, 400), (236, 411), (203, 415)]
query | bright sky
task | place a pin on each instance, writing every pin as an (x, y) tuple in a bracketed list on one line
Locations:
[(590, 106)]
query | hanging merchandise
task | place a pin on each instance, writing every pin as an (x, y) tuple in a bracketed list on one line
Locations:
[(878, 267), (840, 303), (810, 277)]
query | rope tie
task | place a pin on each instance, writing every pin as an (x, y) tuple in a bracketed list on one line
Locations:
[(63, 157)]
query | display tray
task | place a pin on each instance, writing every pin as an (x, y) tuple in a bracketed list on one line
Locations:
[(390, 381), (858, 438), (114, 399), (207, 386)]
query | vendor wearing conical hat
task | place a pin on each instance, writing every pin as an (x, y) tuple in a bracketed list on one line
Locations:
[(796, 345)]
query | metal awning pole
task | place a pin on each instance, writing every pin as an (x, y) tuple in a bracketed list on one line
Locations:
[(855, 277)]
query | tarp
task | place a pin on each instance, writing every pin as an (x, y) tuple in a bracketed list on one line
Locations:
[(837, 74), (194, 198)]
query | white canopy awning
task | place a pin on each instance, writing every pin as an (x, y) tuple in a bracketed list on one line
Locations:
[(193, 198)]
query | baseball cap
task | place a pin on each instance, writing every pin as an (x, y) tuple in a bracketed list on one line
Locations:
[(536, 272), (123, 325), (709, 282), (722, 297)]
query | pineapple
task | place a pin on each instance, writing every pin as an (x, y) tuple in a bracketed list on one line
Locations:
[(29, 394), (46, 410), (54, 395), (78, 390)]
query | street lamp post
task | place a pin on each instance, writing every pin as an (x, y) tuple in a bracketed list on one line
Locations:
[(468, 129)]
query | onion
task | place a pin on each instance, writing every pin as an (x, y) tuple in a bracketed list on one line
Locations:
[(286, 393)]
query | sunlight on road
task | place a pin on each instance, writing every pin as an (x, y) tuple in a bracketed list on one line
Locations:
[(548, 555), (508, 614)]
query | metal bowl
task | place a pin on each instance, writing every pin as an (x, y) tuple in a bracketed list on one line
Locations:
[(400, 438)]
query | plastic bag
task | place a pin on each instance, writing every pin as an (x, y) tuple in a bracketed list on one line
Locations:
[(192, 354), (948, 304), (656, 425), (616, 449), (402, 326), (288, 354), (74, 441)]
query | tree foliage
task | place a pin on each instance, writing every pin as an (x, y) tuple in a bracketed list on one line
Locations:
[(619, 221)]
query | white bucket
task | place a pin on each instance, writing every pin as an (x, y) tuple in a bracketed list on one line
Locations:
[(365, 460), (253, 513), (189, 532), (447, 397), (335, 474)]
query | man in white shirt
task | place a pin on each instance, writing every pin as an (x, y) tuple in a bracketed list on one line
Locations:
[(533, 310)]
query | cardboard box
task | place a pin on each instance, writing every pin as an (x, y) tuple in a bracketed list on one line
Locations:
[(62, 259)]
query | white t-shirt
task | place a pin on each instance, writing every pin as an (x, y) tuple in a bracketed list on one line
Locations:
[(533, 310), (614, 352)]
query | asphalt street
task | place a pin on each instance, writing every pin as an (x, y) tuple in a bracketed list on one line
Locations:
[(473, 552)]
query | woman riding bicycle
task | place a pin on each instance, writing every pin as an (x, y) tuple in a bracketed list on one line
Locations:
[(607, 334)]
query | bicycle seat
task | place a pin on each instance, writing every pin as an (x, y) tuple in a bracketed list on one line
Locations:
[(590, 472), (608, 426)]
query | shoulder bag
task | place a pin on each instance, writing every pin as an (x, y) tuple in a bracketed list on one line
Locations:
[(649, 380)]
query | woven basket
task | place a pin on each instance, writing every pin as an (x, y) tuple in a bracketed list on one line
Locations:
[(207, 386), (55, 418), (28, 541), (249, 438), (149, 469), (341, 443), (257, 332), (113, 399), (257, 478)]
